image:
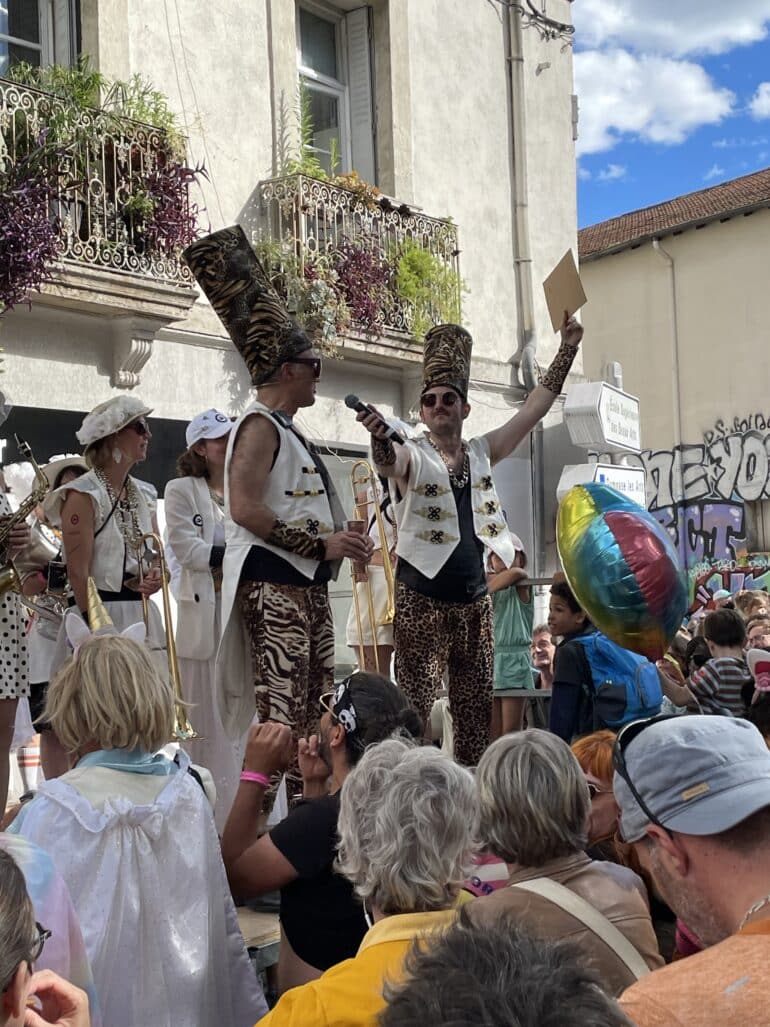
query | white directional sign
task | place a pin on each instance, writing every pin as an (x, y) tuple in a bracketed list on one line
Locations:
[(628, 480), (602, 418)]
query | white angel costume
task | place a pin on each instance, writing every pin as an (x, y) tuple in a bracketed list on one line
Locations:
[(140, 856)]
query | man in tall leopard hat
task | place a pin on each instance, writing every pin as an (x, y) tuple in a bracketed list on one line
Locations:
[(276, 653), (447, 513)]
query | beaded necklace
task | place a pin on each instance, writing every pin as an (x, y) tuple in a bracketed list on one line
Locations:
[(126, 509), (217, 499), (457, 481)]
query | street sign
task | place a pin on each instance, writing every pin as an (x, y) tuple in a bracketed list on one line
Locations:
[(628, 480), (602, 418)]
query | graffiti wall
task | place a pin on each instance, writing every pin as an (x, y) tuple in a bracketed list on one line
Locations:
[(700, 492)]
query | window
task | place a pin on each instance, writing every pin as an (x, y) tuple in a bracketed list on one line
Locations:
[(36, 31), (333, 55), (758, 525)]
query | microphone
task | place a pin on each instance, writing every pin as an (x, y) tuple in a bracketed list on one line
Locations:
[(354, 403)]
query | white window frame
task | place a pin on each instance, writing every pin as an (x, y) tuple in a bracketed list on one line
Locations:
[(47, 11), (355, 67), (336, 87)]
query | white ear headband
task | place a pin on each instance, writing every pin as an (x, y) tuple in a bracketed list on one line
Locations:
[(79, 632)]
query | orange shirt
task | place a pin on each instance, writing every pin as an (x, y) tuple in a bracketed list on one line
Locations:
[(726, 985)]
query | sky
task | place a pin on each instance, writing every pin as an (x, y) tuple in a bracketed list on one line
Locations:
[(674, 97)]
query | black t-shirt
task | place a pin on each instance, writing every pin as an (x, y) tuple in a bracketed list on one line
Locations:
[(571, 712), (462, 578), (322, 918)]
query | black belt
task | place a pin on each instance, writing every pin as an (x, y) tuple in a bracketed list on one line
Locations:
[(125, 595)]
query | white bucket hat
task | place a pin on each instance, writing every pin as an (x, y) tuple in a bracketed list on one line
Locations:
[(109, 417)]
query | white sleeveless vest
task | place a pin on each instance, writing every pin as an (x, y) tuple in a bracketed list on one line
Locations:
[(428, 525), (294, 490), (110, 550)]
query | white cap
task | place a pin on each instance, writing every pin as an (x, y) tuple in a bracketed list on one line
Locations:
[(211, 424)]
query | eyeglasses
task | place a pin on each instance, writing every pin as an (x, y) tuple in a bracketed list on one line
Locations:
[(314, 362), (625, 736), (594, 790), (42, 937), (325, 705), (446, 399), (140, 427)]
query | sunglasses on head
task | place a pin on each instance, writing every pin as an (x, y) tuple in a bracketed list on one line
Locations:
[(446, 399), (140, 427), (314, 362), (625, 736)]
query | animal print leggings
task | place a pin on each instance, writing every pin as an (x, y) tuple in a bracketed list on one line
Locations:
[(292, 651), (432, 637)]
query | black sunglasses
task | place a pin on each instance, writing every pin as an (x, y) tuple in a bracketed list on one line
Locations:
[(140, 427), (314, 362), (625, 736), (446, 399)]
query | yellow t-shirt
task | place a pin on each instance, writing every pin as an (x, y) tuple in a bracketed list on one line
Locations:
[(726, 985), (350, 994)]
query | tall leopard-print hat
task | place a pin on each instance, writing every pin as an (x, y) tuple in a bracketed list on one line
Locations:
[(240, 291), (447, 358)]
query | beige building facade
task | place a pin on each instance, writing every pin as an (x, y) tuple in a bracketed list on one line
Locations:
[(678, 297), (460, 112)]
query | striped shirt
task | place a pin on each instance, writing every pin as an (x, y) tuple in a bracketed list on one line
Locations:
[(717, 686)]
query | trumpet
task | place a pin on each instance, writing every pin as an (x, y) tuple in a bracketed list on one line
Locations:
[(183, 729), (10, 575), (363, 476)]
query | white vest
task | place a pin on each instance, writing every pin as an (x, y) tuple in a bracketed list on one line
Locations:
[(296, 493), (428, 525), (110, 554)]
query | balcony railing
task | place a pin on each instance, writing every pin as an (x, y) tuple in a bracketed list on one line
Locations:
[(314, 218), (120, 183)]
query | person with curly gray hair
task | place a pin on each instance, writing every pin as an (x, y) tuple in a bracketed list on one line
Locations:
[(406, 823), (534, 808)]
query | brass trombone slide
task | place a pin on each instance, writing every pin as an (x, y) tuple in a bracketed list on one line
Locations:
[(183, 729), (364, 477)]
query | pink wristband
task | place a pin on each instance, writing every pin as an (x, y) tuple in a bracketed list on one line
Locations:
[(252, 775)]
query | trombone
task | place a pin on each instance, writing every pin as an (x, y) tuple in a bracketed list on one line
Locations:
[(363, 476), (183, 729)]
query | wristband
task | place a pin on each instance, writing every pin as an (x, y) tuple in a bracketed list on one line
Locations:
[(259, 779)]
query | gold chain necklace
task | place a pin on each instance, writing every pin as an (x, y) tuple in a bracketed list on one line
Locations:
[(126, 510), (760, 904), (458, 481)]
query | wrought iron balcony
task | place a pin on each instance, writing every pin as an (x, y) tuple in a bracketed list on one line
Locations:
[(122, 188), (313, 222)]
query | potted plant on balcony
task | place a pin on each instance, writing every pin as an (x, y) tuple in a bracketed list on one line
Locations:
[(429, 288)]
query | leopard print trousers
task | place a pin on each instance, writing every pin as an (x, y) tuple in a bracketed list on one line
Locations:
[(432, 637), (292, 652)]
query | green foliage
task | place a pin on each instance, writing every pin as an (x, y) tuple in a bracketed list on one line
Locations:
[(431, 289), (303, 159)]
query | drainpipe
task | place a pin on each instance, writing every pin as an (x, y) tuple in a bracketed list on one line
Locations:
[(522, 264), (666, 257)]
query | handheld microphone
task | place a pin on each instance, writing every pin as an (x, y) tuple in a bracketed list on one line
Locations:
[(354, 403)]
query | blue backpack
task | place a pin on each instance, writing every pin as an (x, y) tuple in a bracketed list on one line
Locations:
[(626, 686)]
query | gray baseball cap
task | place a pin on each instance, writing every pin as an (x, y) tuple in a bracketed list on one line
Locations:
[(697, 774)]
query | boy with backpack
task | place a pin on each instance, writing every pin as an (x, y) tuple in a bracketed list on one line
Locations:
[(596, 683)]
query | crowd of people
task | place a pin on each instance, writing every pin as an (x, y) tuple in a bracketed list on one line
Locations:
[(583, 844)]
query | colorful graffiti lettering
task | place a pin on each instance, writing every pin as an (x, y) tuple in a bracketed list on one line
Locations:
[(699, 494)]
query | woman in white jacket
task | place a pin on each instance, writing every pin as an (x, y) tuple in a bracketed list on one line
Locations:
[(195, 536)]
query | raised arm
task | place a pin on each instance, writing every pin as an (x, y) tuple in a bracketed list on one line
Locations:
[(504, 440)]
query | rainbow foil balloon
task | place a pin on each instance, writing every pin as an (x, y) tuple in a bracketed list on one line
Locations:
[(622, 567)]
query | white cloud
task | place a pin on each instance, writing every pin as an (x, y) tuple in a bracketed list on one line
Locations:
[(714, 172), (672, 27), (583, 174), (612, 173), (655, 99), (738, 142), (760, 102)]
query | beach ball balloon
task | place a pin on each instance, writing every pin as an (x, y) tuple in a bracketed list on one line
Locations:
[(622, 568)]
